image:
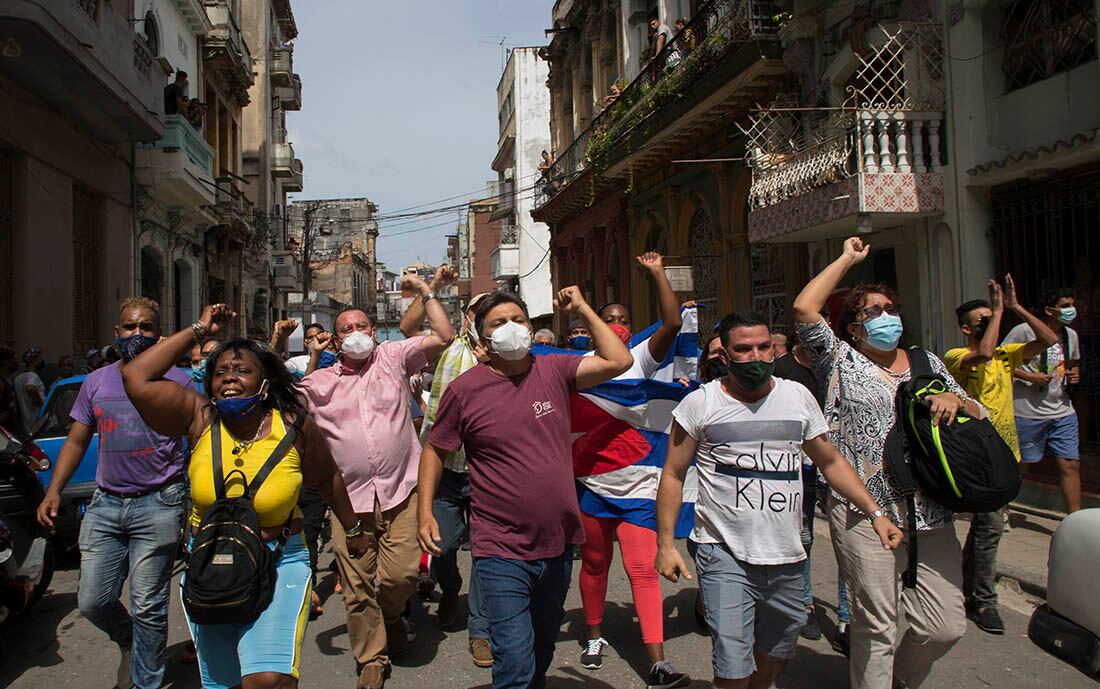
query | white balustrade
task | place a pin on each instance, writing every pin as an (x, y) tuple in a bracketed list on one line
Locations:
[(896, 141)]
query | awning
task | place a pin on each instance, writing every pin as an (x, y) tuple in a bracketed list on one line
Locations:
[(1079, 149)]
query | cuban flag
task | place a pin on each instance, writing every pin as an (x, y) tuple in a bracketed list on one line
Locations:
[(620, 433)]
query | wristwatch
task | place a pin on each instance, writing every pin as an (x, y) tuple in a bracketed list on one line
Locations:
[(876, 514), (355, 531), (428, 297)]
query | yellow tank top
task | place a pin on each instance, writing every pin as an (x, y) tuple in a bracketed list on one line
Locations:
[(276, 498)]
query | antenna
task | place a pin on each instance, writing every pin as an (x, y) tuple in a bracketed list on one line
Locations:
[(497, 40)]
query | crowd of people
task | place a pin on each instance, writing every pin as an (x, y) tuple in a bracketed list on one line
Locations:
[(414, 445)]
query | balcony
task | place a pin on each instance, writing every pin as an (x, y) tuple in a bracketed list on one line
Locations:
[(707, 75), (504, 260), (225, 50), (232, 207), (282, 66), (286, 269), (290, 97), (286, 167), (179, 166), (504, 194), (818, 172), (99, 71)]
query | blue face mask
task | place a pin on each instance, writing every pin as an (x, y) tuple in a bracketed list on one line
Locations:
[(237, 409), (1067, 315), (198, 373), (131, 347), (327, 359), (883, 332), (580, 342)]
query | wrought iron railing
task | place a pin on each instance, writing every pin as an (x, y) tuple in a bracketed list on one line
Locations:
[(509, 234), (1045, 37), (231, 203), (717, 29)]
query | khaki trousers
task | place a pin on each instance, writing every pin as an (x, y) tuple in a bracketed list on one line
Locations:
[(933, 610), (377, 585)]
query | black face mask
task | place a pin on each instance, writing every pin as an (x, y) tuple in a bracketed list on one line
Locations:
[(715, 368)]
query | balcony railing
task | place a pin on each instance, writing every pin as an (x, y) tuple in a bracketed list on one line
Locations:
[(719, 28), (233, 207), (891, 122), (282, 66), (180, 135), (290, 97), (226, 46), (1045, 37)]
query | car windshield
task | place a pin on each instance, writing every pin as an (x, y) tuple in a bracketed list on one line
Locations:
[(57, 409)]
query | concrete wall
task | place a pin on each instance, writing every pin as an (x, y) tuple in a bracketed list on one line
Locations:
[(51, 156), (178, 42), (532, 101)]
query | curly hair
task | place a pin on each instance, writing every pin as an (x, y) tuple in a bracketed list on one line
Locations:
[(853, 304), (283, 391), (140, 303)]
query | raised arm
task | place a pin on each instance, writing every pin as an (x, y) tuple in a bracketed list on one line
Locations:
[(442, 333), (662, 340), (320, 343), (808, 304), (611, 357), (670, 497), (413, 320), (1044, 336), (988, 344), (169, 408), (280, 333)]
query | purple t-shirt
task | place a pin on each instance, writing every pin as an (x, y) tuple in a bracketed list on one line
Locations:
[(132, 457), (516, 433)]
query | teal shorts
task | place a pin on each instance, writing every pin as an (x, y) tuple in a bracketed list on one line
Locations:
[(273, 643)]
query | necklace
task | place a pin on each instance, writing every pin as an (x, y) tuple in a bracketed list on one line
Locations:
[(243, 446)]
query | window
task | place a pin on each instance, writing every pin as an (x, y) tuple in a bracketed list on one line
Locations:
[(1045, 37), (85, 277), (152, 33), (152, 274)]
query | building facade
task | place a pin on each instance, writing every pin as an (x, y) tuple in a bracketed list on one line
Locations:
[(522, 257)]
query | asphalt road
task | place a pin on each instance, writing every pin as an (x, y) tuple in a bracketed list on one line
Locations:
[(53, 646)]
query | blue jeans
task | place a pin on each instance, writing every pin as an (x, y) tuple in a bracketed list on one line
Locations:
[(135, 537), (525, 603), (450, 506)]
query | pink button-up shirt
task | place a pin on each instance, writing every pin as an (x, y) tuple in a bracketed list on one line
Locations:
[(365, 416)]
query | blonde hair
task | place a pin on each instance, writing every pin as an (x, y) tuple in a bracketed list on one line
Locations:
[(140, 303)]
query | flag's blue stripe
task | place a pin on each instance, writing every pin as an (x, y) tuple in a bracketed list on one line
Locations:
[(638, 511), (631, 393)]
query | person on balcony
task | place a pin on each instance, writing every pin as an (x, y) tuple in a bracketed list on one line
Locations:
[(175, 96), (196, 114), (662, 35)]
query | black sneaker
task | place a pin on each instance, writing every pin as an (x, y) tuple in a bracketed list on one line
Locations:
[(663, 676), (592, 657), (987, 619), (812, 630), (842, 643)]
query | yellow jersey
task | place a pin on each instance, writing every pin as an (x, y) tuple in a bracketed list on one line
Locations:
[(277, 497), (990, 383)]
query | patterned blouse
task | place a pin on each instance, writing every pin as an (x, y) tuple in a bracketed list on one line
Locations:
[(859, 407)]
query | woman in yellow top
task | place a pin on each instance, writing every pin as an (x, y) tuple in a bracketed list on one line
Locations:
[(255, 399)]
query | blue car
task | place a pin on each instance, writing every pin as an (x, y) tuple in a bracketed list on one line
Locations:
[(77, 495)]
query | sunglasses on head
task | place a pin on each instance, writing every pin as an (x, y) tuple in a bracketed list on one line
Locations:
[(876, 311)]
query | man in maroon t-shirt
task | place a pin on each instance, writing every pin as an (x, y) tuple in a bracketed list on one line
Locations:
[(512, 417)]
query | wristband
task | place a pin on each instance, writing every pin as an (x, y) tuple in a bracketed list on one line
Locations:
[(355, 531), (199, 330), (876, 514)]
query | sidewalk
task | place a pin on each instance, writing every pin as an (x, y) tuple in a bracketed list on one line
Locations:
[(1024, 549)]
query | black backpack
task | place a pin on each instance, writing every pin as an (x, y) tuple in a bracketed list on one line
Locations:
[(230, 570), (966, 467)]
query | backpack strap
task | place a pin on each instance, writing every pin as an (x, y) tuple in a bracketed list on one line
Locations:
[(919, 364), (909, 577), (276, 456), (216, 459)]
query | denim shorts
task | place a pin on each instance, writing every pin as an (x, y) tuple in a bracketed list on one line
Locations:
[(1059, 437), (273, 643), (748, 606)]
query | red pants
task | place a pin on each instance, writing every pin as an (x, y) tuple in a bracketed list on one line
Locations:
[(638, 546)]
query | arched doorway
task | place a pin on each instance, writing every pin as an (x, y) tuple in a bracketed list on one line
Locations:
[(705, 268), (152, 274)]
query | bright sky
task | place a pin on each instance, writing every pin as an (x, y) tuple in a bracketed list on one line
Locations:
[(399, 105)]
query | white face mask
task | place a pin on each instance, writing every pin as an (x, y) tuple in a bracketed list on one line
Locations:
[(357, 346), (511, 341)]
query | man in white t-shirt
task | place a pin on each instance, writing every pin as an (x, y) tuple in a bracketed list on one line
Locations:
[(749, 434), (30, 391)]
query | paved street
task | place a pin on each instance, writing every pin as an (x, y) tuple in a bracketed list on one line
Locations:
[(56, 647)]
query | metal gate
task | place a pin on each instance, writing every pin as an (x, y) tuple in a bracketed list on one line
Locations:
[(1048, 236)]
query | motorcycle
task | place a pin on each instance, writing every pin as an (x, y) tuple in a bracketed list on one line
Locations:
[(26, 556)]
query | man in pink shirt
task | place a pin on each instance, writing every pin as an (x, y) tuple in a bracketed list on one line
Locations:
[(361, 404)]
